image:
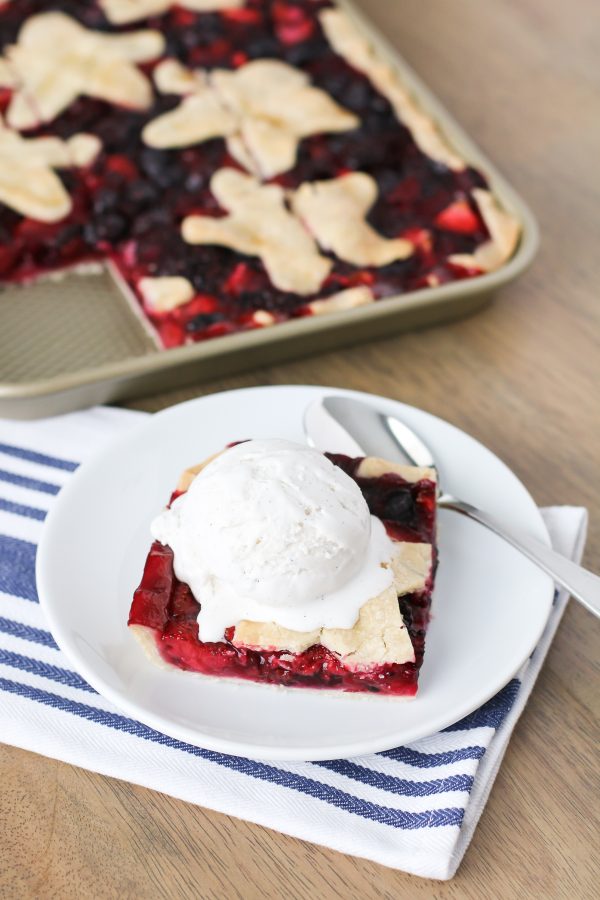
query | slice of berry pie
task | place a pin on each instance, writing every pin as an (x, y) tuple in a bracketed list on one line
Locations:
[(278, 564), (234, 163)]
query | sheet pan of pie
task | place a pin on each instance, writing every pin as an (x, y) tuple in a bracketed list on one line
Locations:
[(224, 190)]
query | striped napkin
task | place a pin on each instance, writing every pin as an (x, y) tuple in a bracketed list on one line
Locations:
[(412, 808)]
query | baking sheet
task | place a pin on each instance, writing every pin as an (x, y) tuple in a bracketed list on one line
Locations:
[(70, 342)]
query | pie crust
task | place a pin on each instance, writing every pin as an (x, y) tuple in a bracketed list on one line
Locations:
[(165, 293), (56, 60), (335, 213), (348, 299), (259, 224), (263, 109), (28, 183), (379, 634), (375, 467), (504, 235), (349, 42)]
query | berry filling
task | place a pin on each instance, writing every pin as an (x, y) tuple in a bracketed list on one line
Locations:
[(168, 608), (128, 205)]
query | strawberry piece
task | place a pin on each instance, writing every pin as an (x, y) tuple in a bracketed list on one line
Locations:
[(31, 229), (295, 33), (292, 25), (458, 217), (287, 12), (362, 277), (244, 16), (172, 334), (8, 256), (197, 306), (243, 278), (185, 17), (5, 96), (121, 165)]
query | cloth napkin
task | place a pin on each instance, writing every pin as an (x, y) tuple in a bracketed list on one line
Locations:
[(413, 808)]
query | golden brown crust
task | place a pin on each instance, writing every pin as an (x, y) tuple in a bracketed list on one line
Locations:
[(28, 183), (263, 109), (56, 60), (348, 299), (504, 231), (378, 636), (347, 40), (374, 467), (166, 292), (269, 636), (259, 224), (335, 213), (188, 475), (146, 637)]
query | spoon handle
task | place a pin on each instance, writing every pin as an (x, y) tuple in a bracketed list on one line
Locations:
[(581, 584)]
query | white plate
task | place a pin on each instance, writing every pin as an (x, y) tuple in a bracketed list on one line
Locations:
[(490, 604)]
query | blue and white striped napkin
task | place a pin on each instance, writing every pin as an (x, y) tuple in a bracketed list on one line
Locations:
[(412, 808)]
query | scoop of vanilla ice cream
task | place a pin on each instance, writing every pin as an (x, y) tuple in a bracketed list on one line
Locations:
[(273, 531)]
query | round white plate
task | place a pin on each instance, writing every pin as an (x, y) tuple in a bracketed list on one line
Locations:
[(489, 609)]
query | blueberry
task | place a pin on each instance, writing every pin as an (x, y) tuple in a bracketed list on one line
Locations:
[(400, 268), (69, 233), (195, 181), (199, 281), (400, 506), (388, 179), (109, 228), (357, 95), (157, 218), (160, 166), (265, 46), (105, 200), (199, 323), (305, 52), (141, 193), (210, 28), (191, 39), (173, 46)]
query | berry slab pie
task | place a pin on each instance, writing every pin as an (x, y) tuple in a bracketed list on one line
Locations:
[(233, 164), (278, 564)]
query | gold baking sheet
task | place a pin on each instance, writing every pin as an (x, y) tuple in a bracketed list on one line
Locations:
[(71, 342)]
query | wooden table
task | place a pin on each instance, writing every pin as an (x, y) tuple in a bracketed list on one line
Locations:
[(523, 376)]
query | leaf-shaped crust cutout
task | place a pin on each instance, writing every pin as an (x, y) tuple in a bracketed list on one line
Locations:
[(504, 232), (263, 109), (28, 183), (56, 60), (335, 213), (259, 224), (351, 44)]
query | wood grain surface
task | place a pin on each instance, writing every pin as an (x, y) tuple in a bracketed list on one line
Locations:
[(523, 376)]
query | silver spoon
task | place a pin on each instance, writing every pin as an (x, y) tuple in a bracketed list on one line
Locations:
[(367, 432)]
